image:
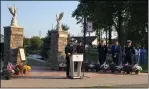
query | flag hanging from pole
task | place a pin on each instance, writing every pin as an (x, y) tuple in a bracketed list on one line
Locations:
[(89, 27)]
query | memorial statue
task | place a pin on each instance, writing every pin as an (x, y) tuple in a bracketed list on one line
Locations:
[(58, 18), (13, 11)]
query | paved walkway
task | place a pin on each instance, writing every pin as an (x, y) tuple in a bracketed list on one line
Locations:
[(46, 78)]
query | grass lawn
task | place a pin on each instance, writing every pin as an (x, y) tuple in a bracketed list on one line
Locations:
[(145, 67), (92, 56), (33, 62)]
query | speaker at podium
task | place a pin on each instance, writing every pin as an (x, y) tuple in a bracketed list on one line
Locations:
[(73, 59)]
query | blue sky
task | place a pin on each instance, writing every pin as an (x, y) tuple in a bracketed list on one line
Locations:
[(40, 15)]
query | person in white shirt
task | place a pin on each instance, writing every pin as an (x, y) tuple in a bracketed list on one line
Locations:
[(137, 53)]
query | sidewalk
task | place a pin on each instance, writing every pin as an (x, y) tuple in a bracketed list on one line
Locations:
[(45, 78)]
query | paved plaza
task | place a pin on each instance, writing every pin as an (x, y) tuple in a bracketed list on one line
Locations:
[(42, 77)]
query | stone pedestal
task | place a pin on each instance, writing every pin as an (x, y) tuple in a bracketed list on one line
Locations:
[(58, 44), (13, 39)]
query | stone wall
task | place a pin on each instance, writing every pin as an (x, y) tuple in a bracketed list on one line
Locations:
[(13, 39), (58, 43)]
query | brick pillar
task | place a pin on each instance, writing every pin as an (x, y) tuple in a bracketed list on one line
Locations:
[(13, 39), (58, 43)]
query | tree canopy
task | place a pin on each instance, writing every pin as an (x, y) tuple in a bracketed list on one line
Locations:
[(35, 42), (127, 17), (65, 27)]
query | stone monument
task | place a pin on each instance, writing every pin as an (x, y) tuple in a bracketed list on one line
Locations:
[(58, 42), (13, 39), (58, 19)]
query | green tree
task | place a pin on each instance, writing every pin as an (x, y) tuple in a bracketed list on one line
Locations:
[(35, 42), (46, 47), (26, 42), (65, 27), (127, 17), (138, 22), (100, 12)]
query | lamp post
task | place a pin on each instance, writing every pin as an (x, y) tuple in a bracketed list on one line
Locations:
[(84, 36)]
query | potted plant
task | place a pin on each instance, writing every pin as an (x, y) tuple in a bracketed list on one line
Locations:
[(136, 68), (8, 71)]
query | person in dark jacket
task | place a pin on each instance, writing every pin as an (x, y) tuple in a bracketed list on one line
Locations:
[(102, 50), (68, 52), (116, 51), (129, 52), (79, 48)]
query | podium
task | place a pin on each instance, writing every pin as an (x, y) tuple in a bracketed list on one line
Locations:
[(76, 58)]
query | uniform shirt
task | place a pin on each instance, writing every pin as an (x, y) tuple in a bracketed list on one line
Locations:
[(129, 50), (68, 49), (143, 51), (137, 51), (102, 49), (115, 49), (79, 48)]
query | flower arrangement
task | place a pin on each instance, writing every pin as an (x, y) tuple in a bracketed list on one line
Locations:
[(10, 68), (8, 71), (119, 68), (104, 66), (20, 67), (136, 68), (113, 67), (62, 66), (91, 65), (27, 67), (127, 68)]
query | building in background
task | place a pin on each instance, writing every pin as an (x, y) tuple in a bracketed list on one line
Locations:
[(89, 39)]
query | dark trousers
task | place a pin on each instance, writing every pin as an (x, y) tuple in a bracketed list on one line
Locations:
[(67, 65), (143, 58), (128, 58), (115, 59), (102, 58)]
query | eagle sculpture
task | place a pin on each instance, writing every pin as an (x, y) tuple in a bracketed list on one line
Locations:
[(58, 19), (13, 11), (59, 16)]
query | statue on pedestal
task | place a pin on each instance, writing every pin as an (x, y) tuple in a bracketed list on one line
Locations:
[(58, 19), (13, 11)]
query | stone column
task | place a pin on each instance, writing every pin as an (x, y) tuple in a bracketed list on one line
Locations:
[(13, 39), (58, 44)]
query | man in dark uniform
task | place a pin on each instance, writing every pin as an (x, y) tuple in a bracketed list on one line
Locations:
[(102, 50), (68, 52), (129, 52), (79, 48), (116, 51)]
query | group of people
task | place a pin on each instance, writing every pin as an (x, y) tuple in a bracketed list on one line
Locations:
[(128, 52), (140, 55)]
